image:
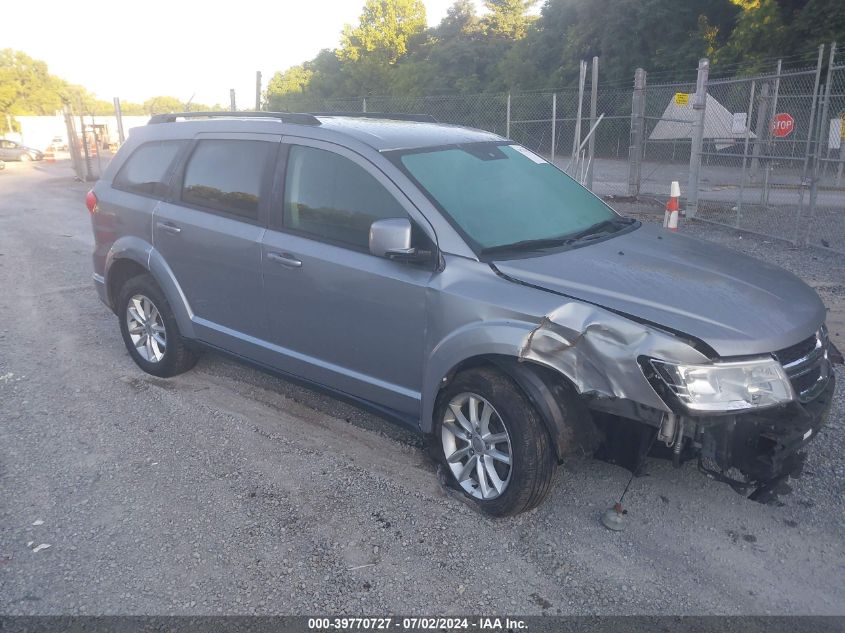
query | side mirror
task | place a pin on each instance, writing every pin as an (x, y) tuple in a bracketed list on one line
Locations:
[(391, 238)]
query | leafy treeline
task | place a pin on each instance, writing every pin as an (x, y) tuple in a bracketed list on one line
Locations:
[(27, 87), (392, 52)]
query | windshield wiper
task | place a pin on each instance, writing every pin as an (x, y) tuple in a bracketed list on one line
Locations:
[(594, 230), (601, 227), (528, 245)]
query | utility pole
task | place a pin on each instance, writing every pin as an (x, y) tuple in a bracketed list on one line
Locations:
[(257, 90), (232, 100)]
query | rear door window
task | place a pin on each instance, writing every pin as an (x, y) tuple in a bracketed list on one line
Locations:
[(331, 198), (147, 170), (227, 176)]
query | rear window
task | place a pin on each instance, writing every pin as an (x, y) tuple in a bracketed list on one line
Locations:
[(227, 175), (147, 170)]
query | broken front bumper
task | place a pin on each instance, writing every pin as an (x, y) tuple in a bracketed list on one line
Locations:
[(762, 445)]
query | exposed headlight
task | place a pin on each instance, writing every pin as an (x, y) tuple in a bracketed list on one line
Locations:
[(727, 386)]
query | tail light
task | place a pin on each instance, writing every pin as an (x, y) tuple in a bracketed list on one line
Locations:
[(91, 201)]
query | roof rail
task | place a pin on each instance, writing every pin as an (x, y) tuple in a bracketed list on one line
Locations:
[(396, 116), (284, 117)]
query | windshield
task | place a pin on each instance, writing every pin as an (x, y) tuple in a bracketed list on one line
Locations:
[(499, 195)]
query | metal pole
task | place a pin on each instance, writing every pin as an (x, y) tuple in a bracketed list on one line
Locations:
[(576, 138), (745, 151), (760, 132), (594, 95), (89, 176), (808, 146), (635, 149), (554, 124), (770, 142), (508, 118), (73, 142), (232, 100), (118, 114), (364, 104), (257, 90), (97, 145), (699, 105), (823, 134)]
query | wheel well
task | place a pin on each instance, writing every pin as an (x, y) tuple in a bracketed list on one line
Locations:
[(120, 272), (565, 416)]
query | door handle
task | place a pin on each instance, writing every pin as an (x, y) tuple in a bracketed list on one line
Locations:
[(168, 227), (285, 259)]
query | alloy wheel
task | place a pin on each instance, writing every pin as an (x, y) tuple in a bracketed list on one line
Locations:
[(146, 328), (477, 446)]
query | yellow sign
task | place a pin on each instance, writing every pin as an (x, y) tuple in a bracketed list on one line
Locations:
[(681, 98)]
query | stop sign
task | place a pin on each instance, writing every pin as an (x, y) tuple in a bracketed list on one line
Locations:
[(782, 124)]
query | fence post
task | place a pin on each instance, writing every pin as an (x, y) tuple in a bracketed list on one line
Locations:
[(73, 142), (760, 131), (554, 124), (770, 143), (635, 149), (508, 117), (749, 114), (89, 176), (594, 95), (822, 138), (118, 115), (808, 146), (699, 106), (576, 138), (364, 104)]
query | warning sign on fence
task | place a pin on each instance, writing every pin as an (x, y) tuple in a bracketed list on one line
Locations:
[(681, 98)]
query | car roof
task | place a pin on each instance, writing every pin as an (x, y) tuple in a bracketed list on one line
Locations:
[(377, 131), (387, 134)]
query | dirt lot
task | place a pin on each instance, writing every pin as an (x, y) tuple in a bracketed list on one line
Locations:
[(227, 490)]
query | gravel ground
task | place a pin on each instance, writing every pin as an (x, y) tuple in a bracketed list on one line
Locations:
[(227, 490)]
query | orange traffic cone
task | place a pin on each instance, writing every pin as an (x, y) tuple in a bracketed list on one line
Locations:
[(50, 155), (670, 219)]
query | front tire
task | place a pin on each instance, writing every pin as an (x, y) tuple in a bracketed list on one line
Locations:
[(149, 329), (493, 442), (25, 158)]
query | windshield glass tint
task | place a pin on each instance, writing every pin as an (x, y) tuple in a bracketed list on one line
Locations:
[(504, 194)]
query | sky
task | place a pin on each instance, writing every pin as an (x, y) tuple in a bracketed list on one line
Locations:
[(181, 48)]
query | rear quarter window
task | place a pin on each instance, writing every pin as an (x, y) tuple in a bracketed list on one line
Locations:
[(147, 170)]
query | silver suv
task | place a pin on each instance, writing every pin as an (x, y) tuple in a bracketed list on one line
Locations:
[(459, 284)]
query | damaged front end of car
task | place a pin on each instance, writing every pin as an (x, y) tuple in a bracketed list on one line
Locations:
[(745, 419)]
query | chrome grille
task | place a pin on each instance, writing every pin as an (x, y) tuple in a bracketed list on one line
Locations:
[(807, 365)]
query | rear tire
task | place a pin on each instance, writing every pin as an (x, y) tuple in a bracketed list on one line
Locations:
[(149, 329), (513, 429)]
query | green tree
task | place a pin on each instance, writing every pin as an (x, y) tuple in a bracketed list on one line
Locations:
[(26, 86), (769, 29), (384, 29), (292, 81), (508, 18), (163, 105)]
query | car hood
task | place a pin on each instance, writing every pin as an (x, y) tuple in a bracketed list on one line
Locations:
[(736, 304)]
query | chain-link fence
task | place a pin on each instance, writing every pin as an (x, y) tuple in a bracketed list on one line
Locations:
[(763, 154)]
